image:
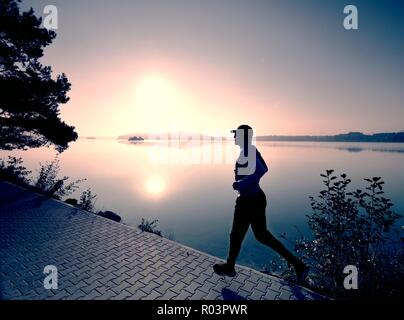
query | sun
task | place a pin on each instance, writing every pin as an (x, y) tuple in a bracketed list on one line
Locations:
[(156, 94), (154, 87), (160, 102)]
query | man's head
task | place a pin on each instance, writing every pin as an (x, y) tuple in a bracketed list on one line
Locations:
[(243, 135)]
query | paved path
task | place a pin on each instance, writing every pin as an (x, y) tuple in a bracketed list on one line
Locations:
[(101, 259)]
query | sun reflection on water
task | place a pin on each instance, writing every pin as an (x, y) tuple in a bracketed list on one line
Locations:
[(155, 185)]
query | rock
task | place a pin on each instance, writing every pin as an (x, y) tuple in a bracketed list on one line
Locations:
[(110, 215), (72, 201)]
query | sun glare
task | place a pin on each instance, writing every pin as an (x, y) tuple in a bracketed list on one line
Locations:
[(155, 185), (153, 87), (159, 101), (156, 94)]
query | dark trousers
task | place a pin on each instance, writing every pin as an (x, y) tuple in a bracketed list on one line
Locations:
[(251, 210)]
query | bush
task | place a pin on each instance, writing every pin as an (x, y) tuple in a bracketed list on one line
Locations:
[(87, 201), (12, 170), (149, 226), (47, 181), (353, 228), (49, 184)]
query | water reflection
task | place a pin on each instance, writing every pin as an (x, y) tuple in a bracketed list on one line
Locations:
[(353, 147), (155, 185), (345, 146), (195, 201)]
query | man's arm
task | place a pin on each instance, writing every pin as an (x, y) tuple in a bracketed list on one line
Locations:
[(260, 169)]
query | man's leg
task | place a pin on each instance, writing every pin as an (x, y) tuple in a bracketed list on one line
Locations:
[(239, 229), (259, 227), (267, 238), (237, 234)]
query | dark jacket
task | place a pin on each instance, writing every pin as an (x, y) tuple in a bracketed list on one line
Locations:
[(248, 184)]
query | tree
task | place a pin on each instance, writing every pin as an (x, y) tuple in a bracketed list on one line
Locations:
[(29, 96)]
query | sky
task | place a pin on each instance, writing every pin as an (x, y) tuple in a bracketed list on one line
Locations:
[(284, 67)]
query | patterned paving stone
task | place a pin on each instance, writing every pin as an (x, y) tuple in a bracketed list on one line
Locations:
[(168, 295), (256, 295), (270, 295), (100, 259)]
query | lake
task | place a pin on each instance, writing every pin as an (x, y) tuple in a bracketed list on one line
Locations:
[(194, 202)]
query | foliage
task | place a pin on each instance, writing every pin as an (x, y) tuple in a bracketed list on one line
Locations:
[(50, 184), (87, 201), (12, 170), (47, 182), (29, 96), (353, 228), (149, 226)]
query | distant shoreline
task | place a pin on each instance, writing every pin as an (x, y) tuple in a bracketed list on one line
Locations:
[(394, 137), (390, 137)]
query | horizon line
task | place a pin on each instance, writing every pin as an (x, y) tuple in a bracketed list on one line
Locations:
[(260, 135)]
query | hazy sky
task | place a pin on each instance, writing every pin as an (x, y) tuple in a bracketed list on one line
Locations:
[(284, 67)]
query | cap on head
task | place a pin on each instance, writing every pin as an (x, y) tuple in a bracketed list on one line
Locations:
[(244, 127)]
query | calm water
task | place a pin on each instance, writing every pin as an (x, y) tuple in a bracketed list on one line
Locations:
[(194, 202)]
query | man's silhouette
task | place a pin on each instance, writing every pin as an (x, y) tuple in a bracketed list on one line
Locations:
[(250, 207)]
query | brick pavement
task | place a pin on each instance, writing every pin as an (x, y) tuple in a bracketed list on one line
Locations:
[(101, 259)]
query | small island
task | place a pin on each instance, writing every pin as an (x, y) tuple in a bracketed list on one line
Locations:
[(136, 138)]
